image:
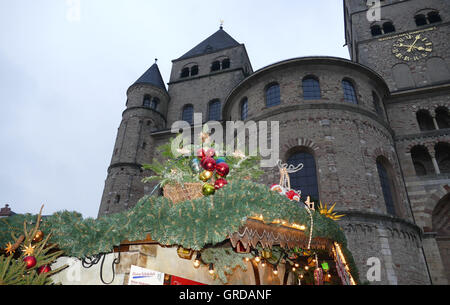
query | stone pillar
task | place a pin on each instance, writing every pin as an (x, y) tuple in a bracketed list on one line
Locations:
[(435, 123), (433, 159)]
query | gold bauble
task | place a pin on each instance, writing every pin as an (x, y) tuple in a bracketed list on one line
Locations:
[(38, 236), (205, 175)]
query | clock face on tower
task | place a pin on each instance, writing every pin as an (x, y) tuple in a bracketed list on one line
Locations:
[(412, 47)]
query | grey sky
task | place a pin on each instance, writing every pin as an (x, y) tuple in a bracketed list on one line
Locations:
[(63, 84)]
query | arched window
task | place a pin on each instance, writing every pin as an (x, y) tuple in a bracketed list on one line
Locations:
[(387, 184), (349, 92), (244, 109), (225, 63), (147, 101), (215, 66), (434, 17), (214, 110), (422, 160), (194, 70), (311, 88), (304, 180), (188, 113), (443, 157), (273, 95), (442, 117), (375, 30), (388, 27), (154, 104), (184, 72), (425, 120), (377, 103), (420, 19)]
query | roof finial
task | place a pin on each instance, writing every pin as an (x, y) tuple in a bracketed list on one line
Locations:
[(156, 59), (221, 24)]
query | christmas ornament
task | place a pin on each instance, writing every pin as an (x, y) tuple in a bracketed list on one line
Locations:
[(184, 253), (30, 261), (292, 195), (28, 250), (205, 175), (209, 163), (328, 212), (9, 249), (38, 236), (278, 188), (222, 169), (208, 189), (201, 153), (220, 183), (266, 254), (318, 276), (44, 269), (220, 160), (325, 266), (210, 153), (195, 165)]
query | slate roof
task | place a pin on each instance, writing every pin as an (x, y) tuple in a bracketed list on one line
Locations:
[(152, 76), (217, 41)]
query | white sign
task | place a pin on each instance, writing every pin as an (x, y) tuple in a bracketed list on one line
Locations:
[(142, 276)]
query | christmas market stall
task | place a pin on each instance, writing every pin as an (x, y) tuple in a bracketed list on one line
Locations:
[(212, 226)]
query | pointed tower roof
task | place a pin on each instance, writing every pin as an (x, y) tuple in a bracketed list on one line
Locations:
[(152, 76), (217, 41)]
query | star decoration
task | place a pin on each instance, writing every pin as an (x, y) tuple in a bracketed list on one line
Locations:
[(9, 248), (329, 212), (28, 250)]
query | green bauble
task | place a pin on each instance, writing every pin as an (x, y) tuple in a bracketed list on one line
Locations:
[(208, 189)]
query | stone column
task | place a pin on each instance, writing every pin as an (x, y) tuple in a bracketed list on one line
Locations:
[(435, 123), (433, 159)]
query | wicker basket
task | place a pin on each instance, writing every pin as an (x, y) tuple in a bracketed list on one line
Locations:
[(178, 193)]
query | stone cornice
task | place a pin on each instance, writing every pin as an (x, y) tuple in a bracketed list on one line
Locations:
[(126, 164), (146, 108), (423, 135)]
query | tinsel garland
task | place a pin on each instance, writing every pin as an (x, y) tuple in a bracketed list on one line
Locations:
[(190, 224)]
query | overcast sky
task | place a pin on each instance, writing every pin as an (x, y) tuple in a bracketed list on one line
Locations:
[(63, 81)]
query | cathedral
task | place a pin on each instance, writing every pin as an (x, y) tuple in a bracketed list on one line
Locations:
[(373, 132)]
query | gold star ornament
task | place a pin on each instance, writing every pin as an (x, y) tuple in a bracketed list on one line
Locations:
[(28, 251), (9, 249)]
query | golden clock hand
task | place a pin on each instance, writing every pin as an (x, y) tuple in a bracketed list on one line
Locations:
[(414, 43)]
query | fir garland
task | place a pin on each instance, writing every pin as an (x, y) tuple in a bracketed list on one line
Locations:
[(190, 224)]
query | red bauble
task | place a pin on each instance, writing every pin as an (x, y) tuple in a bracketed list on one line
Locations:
[(44, 269), (209, 164), (222, 169), (30, 261), (210, 153), (220, 183), (290, 194), (201, 153)]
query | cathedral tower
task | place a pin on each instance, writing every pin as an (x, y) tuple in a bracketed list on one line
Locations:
[(146, 110), (407, 43)]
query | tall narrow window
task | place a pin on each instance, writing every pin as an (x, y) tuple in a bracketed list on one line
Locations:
[(388, 27), (387, 186), (214, 110), (442, 117), (443, 157), (188, 113), (425, 120), (311, 88), (117, 199), (377, 103), (422, 161), (420, 19), (215, 66), (273, 95), (225, 63), (154, 103), (375, 30), (194, 70), (244, 109), (147, 101), (349, 92), (185, 72), (434, 17), (304, 180)]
